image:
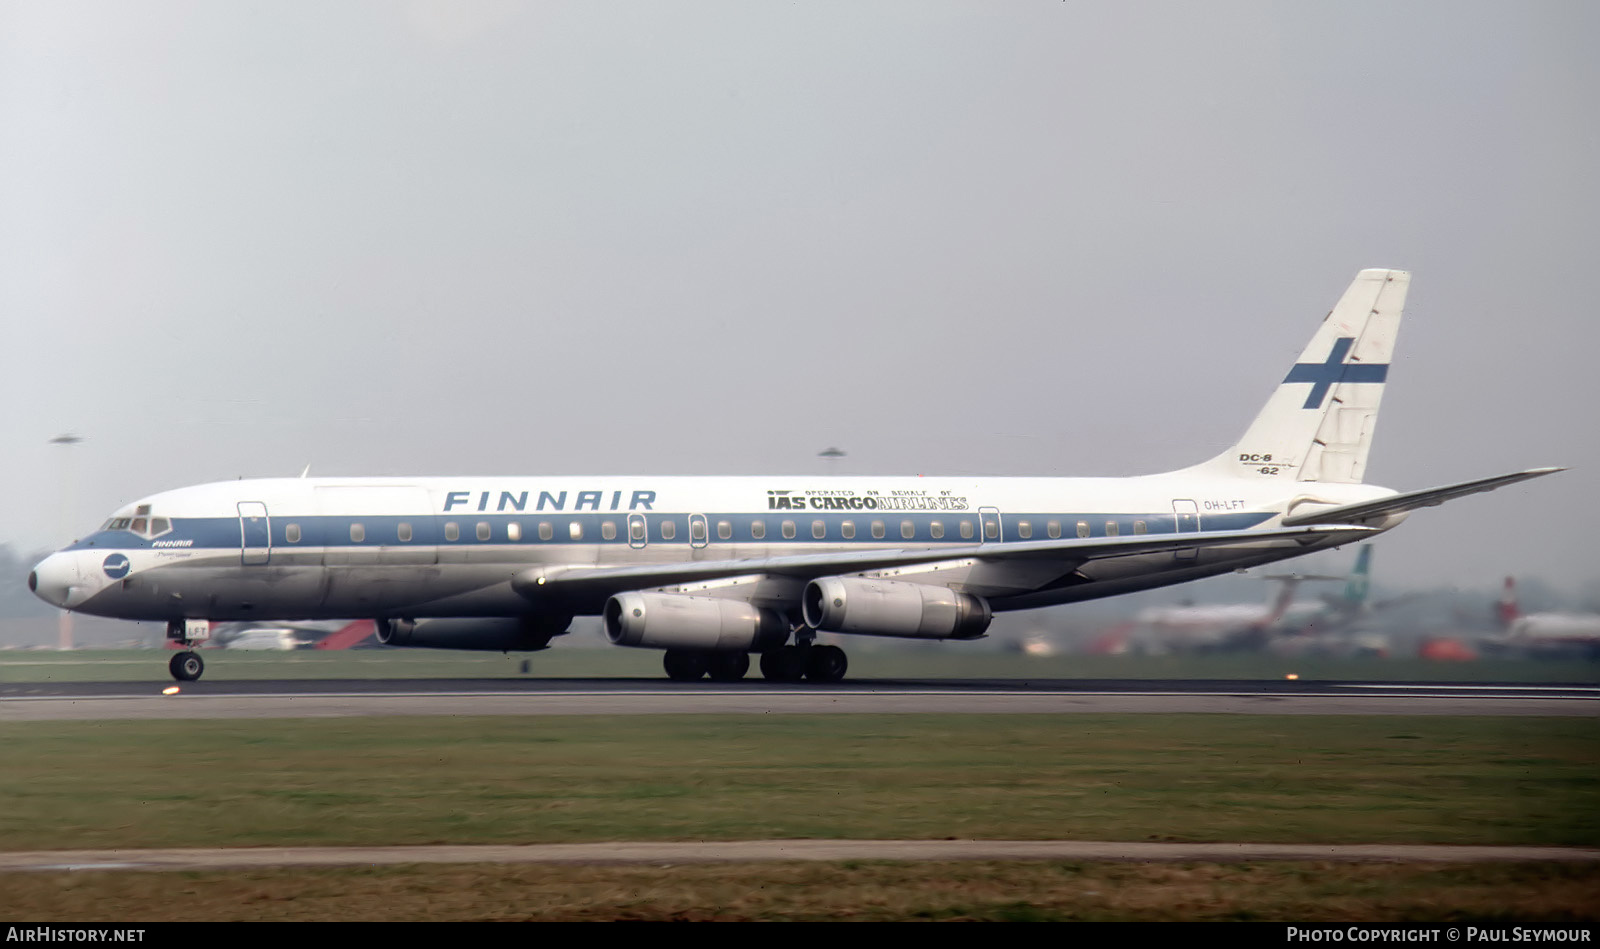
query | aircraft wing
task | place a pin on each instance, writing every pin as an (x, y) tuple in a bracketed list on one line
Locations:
[(1410, 501), (584, 581)]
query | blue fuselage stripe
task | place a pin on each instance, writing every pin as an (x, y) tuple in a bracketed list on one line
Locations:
[(433, 530)]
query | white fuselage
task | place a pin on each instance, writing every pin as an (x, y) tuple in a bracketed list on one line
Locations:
[(1556, 628), (285, 549)]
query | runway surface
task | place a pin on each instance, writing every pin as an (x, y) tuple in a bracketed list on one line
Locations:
[(747, 851), (619, 696)]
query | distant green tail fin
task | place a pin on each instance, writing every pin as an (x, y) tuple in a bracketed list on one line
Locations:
[(1359, 586)]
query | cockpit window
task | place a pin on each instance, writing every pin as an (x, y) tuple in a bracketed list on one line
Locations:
[(143, 525)]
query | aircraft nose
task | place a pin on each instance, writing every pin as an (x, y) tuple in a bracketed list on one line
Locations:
[(55, 579)]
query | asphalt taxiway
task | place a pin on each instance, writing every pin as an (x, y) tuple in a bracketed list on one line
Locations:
[(622, 696)]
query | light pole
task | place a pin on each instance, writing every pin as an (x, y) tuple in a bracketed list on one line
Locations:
[(66, 441)]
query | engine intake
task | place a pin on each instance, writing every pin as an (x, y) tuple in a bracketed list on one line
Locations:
[(679, 621), (495, 633), (893, 608)]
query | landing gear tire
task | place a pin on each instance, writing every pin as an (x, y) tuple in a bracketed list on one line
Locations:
[(685, 666), (784, 664), (186, 666), (729, 666), (826, 664)]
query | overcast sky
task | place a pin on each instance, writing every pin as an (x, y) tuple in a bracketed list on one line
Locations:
[(716, 238)]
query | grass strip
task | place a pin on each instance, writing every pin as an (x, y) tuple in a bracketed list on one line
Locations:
[(1324, 779)]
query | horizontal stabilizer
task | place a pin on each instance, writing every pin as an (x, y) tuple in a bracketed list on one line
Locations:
[(1410, 501)]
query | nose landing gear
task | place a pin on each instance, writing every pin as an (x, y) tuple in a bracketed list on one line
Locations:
[(187, 666)]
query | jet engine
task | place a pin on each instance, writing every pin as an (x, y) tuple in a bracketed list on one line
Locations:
[(679, 621), (893, 608), (495, 633)]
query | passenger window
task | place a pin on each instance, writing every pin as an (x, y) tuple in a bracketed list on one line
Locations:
[(758, 529), (908, 530), (452, 531), (575, 530), (966, 530), (484, 531), (847, 530), (724, 530), (608, 531), (636, 530), (1111, 528), (819, 530), (669, 530), (788, 530), (546, 531), (513, 531), (292, 533), (1138, 527), (403, 532), (1083, 528), (877, 530), (1024, 529), (1053, 528), (358, 533), (936, 529), (991, 529)]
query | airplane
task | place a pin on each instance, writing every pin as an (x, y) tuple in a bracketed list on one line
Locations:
[(264, 638), (1547, 632), (713, 569), (1209, 627), (1350, 605), (324, 635)]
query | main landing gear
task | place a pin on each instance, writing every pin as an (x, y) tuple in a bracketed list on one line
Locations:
[(784, 664), (687, 665), (807, 661)]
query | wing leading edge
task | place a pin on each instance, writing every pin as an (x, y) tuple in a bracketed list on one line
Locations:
[(585, 581)]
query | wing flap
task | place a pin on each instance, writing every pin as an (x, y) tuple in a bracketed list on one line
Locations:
[(1411, 500)]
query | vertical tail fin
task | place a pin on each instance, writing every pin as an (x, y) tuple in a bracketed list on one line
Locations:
[(1359, 586), (1318, 424), (1280, 603), (1507, 611)]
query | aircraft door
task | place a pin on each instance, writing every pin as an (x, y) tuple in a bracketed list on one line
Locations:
[(989, 524), (1186, 515), (697, 530), (255, 533), (638, 534)]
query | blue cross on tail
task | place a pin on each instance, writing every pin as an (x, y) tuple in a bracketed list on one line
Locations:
[(1323, 376)]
